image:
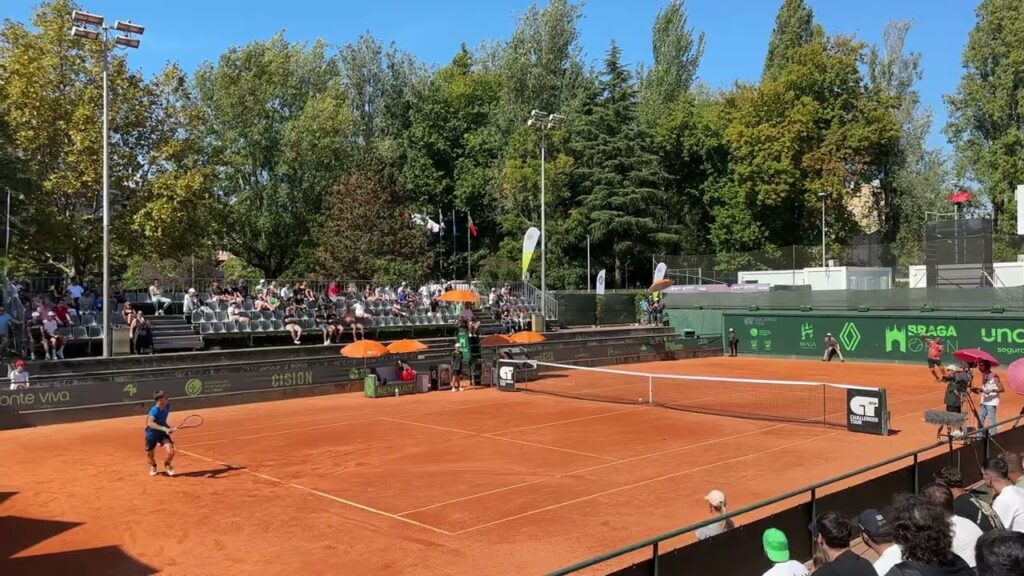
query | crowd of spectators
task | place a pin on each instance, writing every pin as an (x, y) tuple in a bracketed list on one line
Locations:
[(945, 530), (651, 310), (514, 316), (48, 317)]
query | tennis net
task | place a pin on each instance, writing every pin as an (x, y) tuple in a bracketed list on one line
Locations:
[(781, 400)]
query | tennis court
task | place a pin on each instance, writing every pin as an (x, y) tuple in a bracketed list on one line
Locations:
[(481, 481)]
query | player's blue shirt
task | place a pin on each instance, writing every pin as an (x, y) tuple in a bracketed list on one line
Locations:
[(160, 417)]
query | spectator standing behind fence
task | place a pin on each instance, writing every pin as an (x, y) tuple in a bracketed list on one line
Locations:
[(19, 376), (832, 349), (1000, 553), (156, 296), (776, 548), (1009, 500), (717, 507), (5, 330), (832, 533), (965, 532), (924, 534), (965, 504), (876, 533)]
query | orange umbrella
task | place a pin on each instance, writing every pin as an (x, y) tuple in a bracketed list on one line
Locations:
[(660, 285), (406, 346), (527, 337), (364, 349), (498, 340), (459, 296)]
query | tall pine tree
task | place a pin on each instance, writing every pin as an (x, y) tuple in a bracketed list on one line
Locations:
[(794, 27), (620, 181), (677, 53)]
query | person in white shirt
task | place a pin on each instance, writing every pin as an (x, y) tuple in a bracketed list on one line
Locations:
[(776, 547), (965, 532), (156, 296), (716, 504), (876, 532), (1009, 500), (990, 389), (56, 341), (75, 291), (19, 376)]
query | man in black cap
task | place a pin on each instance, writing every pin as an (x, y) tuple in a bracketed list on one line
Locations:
[(832, 533), (876, 533)]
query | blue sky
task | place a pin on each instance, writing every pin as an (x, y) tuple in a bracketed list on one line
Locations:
[(737, 31)]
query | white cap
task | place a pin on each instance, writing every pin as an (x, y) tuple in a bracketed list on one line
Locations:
[(828, 333), (51, 313), (191, 290), (952, 367), (716, 498), (35, 314)]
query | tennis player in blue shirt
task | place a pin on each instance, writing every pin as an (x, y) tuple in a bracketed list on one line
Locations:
[(159, 433)]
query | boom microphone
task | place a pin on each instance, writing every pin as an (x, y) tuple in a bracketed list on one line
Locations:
[(943, 418)]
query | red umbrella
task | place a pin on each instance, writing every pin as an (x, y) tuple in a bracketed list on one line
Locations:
[(974, 355), (1015, 376)]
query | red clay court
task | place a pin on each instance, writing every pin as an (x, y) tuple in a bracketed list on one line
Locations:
[(482, 482)]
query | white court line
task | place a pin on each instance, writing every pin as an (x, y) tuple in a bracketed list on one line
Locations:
[(569, 420), (623, 461), (502, 438), (323, 495), (635, 484)]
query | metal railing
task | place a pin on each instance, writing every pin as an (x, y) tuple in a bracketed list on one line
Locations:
[(653, 544)]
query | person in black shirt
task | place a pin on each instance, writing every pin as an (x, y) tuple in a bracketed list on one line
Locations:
[(965, 504), (457, 368), (833, 533), (925, 538), (734, 343), (37, 336)]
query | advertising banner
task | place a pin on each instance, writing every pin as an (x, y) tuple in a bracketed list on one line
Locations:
[(659, 272), (866, 411), (896, 337), (600, 283), (529, 244)]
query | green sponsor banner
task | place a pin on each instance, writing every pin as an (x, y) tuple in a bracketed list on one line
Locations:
[(897, 337)]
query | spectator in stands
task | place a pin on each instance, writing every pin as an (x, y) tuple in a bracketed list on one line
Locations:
[(923, 533), (492, 299), (716, 504), (1000, 553), (876, 533), (235, 314), (329, 329), (397, 309), (217, 291), (37, 336), (128, 313), (965, 504), (333, 292), (435, 303), (645, 311), (833, 532), (157, 298), (358, 320), (43, 307), (524, 320), (291, 324), (14, 286), (991, 388), (5, 330), (117, 291), (776, 548), (142, 334), (832, 349), (1014, 470), (405, 372), (507, 321), (506, 291), (63, 313), (19, 376), (286, 292), (75, 292), (965, 532), (191, 304), (57, 291), (56, 341), (467, 319), (273, 302), (1009, 500)]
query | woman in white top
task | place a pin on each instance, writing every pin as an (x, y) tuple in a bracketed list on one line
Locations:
[(991, 388)]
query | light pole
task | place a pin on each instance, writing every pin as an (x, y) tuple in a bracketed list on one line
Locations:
[(543, 122), (91, 27), (821, 196)]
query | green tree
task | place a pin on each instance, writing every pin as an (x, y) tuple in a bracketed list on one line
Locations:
[(622, 204), (794, 27), (986, 125), (282, 135), (369, 202), (51, 99), (677, 53)]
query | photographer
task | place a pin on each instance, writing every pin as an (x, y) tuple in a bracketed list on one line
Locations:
[(990, 390), (957, 382)]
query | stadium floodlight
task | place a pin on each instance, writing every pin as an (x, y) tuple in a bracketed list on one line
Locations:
[(543, 121), (84, 33), (90, 27), (129, 28), (86, 18), (126, 42)]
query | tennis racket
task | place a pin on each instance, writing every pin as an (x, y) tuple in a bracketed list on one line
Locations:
[(193, 421)]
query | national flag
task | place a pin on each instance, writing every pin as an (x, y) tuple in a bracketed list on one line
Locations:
[(472, 227)]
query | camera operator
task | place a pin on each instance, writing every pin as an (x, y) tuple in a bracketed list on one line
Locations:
[(957, 382)]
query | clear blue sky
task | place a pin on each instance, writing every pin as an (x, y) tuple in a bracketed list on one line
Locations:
[(737, 31)]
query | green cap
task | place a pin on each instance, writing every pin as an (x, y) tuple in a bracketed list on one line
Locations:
[(776, 546)]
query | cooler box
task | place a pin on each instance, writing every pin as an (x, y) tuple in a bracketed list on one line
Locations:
[(370, 386), (423, 382)]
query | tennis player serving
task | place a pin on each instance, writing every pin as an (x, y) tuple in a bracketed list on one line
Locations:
[(159, 433)]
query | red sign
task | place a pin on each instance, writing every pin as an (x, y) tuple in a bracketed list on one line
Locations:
[(960, 197)]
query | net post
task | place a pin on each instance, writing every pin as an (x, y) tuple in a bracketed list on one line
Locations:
[(650, 389)]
